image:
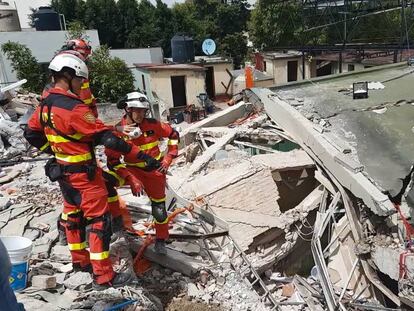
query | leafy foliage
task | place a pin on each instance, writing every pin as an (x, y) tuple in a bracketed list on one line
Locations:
[(76, 30), (25, 65), (110, 78), (136, 24)]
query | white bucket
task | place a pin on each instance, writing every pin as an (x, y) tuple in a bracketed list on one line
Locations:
[(19, 249)]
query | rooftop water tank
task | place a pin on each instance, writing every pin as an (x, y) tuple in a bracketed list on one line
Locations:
[(47, 19), (182, 48), (9, 20)]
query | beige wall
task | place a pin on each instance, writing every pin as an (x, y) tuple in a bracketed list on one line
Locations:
[(220, 75), (160, 81), (278, 68), (239, 84)]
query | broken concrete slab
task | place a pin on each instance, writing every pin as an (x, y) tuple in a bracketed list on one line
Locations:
[(173, 260), (188, 248), (11, 173), (78, 279), (4, 203), (42, 246), (221, 118), (207, 155), (387, 259), (283, 161), (16, 226), (301, 129), (61, 253)]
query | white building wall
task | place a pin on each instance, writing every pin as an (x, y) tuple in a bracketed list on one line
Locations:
[(139, 56), (43, 45)]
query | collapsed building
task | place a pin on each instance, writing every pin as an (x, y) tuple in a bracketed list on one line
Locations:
[(297, 197)]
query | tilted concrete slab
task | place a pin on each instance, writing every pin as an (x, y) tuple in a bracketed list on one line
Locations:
[(221, 118), (387, 259), (317, 146), (283, 161)]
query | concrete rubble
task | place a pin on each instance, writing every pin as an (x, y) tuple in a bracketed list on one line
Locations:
[(268, 224)]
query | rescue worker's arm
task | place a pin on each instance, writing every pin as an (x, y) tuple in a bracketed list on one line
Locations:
[(35, 135), (172, 151), (83, 121), (137, 188), (120, 175)]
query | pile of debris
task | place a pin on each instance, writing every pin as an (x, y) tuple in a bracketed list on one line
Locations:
[(15, 110), (258, 223)]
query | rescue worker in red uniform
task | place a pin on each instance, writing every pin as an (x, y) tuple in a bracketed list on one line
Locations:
[(83, 50), (146, 133), (67, 128)]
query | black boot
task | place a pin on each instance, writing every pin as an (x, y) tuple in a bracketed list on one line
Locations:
[(119, 280), (160, 247), (77, 267)]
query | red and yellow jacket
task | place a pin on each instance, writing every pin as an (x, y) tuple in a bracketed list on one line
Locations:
[(69, 115), (148, 142), (85, 95)]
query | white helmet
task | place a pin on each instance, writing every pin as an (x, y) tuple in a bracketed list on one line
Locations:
[(70, 61), (137, 100)]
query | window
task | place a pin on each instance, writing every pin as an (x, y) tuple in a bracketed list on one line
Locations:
[(264, 66), (351, 67)]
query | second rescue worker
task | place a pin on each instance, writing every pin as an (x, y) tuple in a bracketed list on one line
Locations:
[(67, 128), (152, 173)]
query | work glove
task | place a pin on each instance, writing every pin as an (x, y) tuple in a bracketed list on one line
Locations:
[(137, 188), (165, 164), (151, 163)]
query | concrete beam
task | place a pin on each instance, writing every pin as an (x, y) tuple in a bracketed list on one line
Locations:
[(174, 260), (207, 155), (316, 145), (222, 118)]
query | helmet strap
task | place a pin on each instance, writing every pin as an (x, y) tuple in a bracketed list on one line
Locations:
[(129, 114)]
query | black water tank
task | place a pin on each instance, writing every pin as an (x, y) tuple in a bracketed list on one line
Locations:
[(182, 48), (45, 18)]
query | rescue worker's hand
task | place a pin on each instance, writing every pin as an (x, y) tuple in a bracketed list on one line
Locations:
[(151, 163), (165, 164), (137, 188), (126, 129)]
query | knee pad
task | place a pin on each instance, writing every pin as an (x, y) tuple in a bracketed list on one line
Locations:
[(104, 233), (159, 212)]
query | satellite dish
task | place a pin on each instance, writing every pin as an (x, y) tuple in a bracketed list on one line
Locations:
[(209, 47)]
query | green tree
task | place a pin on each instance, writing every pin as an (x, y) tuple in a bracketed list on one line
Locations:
[(275, 24), (110, 78), (71, 9), (235, 46), (214, 19), (165, 26), (25, 65), (104, 16), (129, 19), (76, 30), (31, 17), (145, 33)]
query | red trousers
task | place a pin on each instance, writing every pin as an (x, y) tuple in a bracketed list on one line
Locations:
[(154, 184), (85, 203)]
